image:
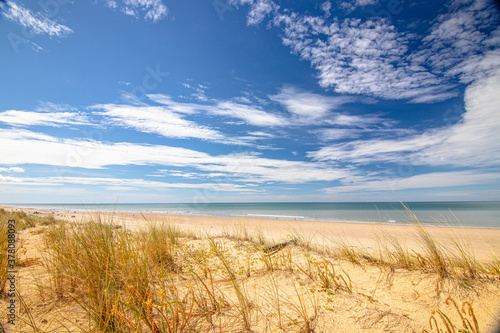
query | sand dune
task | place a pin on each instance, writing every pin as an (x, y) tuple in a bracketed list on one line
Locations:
[(336, 277)]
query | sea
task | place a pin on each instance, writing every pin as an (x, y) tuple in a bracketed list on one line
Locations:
[(477, 214)]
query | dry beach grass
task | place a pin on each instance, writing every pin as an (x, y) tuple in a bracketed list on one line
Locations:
[(168, 274)]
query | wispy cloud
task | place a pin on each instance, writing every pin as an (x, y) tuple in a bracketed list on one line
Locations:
[(19, 147), (32, 118), (187, 174), (376, 150), (351, 6), (260, 134), (169, 120), (429, 180), (458, 39), (370, 56), (358, 57), (252, 168), (302, 108), (198, 91), (162, 120), (259, 9), (120, 183), (334, 134), (152, 10), (308, 107), (25, 147), (326, 7), (36, 23), (433, 98), (327, 112), (186, 108), (11, 169), (473, 141), (252, 115), (53, 107)]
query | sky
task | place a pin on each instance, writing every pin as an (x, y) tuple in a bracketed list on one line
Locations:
[(200, 101)]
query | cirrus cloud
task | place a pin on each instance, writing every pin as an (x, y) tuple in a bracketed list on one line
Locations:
[(35, 23)]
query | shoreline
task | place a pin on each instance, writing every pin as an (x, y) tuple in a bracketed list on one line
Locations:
[(270, 217), (366, 236)]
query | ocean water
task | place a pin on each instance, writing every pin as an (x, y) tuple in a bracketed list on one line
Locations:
[(482, 214)]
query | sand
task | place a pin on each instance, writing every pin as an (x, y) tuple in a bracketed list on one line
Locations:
[(485, 242), (382, 299)]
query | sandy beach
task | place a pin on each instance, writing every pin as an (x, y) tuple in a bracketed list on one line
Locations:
[(306, 286), (485, 242)]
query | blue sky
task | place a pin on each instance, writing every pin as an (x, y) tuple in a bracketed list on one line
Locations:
[(249, 100)]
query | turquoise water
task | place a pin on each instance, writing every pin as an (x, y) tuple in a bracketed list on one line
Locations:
[(467, 214)]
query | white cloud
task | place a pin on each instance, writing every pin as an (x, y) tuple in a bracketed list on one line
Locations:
[(111, 3), (259, 9), (366, 2), (260, 134), (188, 175), (308, 107), (125, 83), (161, 120), (429, 180), (131, 98), (473, 141), (176, 173), (12, 169), (369, 151), (168, 120), (31, 118), (153, 10), (186, 108), (53, 107), (354, 121), (22, 134), (334, 134), (433, 98), (9, 180), (257, 169), (372, 57), (458, 39), (120, 183), (304, 108), (35, 23), (24, 147), (252, 115), (351, 6), (358, 57), (326, 7), (199, 91)]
